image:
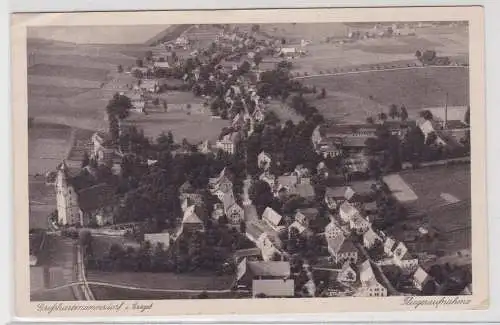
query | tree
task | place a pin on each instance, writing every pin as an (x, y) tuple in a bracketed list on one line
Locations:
[(114, 128), (139, 63), (370, 120), (404, 113), (165, 105), (418, 54), (255, 27), (243, 227), (149, 55), (119, 68), (393, 111), (323, 93), (156, 101), (382, 117), (427, 115), (85, 159)]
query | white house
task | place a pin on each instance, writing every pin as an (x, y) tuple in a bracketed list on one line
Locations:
[(272, 218), (420, 278), (359, 224)]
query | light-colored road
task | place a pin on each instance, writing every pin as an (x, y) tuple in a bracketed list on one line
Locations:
[(379, 70)]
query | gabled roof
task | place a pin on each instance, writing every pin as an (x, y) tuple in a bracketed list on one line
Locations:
[(254, 231), (272, 216), (336, 192), (241, 253), (264, 154), (340, 244), (96, 197), (186, 187), (276, 269), (420, 275), (332, 226), (274, 287), (297, 225), (389, 244), (348, 208)]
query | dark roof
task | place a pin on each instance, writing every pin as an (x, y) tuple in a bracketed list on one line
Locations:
[(96, 197)]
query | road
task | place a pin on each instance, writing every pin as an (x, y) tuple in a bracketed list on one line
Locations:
[(377, 70)]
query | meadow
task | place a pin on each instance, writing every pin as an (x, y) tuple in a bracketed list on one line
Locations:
[(354, 97)]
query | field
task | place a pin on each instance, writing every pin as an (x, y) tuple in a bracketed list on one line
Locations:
[(167, 281), (109, 293), (442, 205), (354, 97)]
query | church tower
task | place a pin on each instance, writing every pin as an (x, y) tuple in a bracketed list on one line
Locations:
[(66, 198)]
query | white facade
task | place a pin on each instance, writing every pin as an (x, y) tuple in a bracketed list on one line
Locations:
[(66, 200)]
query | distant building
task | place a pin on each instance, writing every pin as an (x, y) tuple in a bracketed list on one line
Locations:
[(103, 148), (161, 65), (233, 211), (275, 288), (221, 184), (359, 224), (347, 211)]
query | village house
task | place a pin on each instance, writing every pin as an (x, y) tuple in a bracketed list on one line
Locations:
[(332, 230), (161, 65), (255, 275), (347, 211), (205, 147), (228, 142), (155, 239), (264, 160), (422, 281), (273, 219), (289, 52), (371, 285), (404, 259), (269, 179), (347, 274), (138, 102), (266, 245), (250, 254), (192, 220), (342, 249), (103, 148), (82, 206), (359, 224), (306, 216), (233, 211), (389, 246), (221, 184), (301, 229), (149, 85), (294, 185)]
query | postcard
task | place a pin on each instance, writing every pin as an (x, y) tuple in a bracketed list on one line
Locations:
[(249, 161)]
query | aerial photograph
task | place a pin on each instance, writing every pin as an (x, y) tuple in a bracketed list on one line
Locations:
[(247, 161)]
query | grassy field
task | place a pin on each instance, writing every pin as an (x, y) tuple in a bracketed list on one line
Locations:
[(354, 97), (108, 293), (433, 209)]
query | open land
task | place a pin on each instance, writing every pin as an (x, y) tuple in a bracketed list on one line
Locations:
[(442, 207), (354, 97)]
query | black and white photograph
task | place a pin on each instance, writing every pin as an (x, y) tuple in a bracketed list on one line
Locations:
[(249, 161)]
